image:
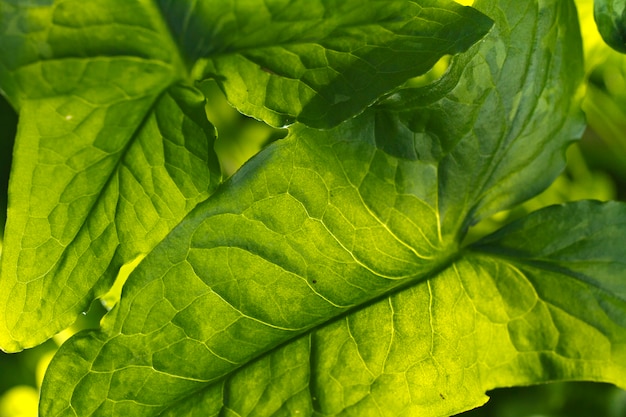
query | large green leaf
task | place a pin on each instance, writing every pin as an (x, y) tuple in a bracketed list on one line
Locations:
[(520, 308), (326, 276), (112, 150), (103, 155), (490, 320), (610, 16)]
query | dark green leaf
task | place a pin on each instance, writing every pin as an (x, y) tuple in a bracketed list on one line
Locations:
[(610, 16), (318, 62)]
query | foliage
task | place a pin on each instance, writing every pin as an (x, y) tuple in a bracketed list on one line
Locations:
[(555, 400), (344, 269), (611, 18)]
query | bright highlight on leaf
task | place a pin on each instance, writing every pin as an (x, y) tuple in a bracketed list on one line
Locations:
[(329, 275)]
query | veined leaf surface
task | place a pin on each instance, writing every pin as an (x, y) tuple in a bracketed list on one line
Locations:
[(102, 155), (327, 276)]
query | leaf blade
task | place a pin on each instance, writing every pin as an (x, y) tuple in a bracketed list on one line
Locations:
[(491, 321), (319, 62), (86, 111)]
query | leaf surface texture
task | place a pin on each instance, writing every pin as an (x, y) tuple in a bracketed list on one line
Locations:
[(327, 276)]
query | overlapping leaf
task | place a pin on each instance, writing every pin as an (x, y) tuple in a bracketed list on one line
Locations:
[(313, 61), (111, 154), (500, 119), (326, 278)]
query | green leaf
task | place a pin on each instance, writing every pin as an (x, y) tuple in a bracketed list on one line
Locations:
[(610, 17), (318, 62), (578, 279), (519, 308), (497, 317), (108, 150), (326, 276), (500, 118)]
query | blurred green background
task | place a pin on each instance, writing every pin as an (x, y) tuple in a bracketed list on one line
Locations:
[(596, 170)]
